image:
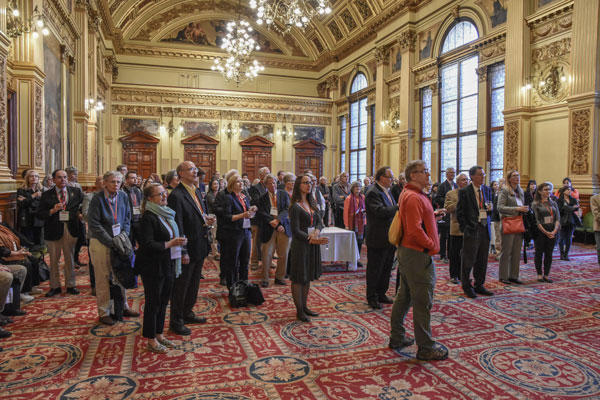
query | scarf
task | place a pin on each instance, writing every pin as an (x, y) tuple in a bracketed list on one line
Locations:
[(357, 211), (169, 216), (10, 240)]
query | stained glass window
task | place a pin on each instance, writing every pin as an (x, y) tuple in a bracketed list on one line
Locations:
[(358, 139), (448, 154), (462, 33), (496, 118), (426, 102), (468, 152), (342, 144), (426, 152), (359, 83)]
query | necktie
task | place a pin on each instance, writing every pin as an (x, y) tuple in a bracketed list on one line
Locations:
[(273, 200), (387, 194), (198, 204), (63, 198)]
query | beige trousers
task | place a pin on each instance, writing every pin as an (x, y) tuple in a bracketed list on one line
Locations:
[(279, 241), (67, 245), (100, 255)]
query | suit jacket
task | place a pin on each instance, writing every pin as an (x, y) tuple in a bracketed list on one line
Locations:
[(380, 213), (440, 198), (255, 192), (467, 210), (395, 191), (152, 259), (131, 193), (232, 206), (264, 214), (338, 191), (190, 221), (53, 228), (450, 206), (595, 206)]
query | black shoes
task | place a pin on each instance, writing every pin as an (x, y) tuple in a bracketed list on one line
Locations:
[(53, 292), (405, 342), (194, 320), (375, 304), (546, 279), (107, 320), (4, 333), (130, 313), (280, 282), (455, 281), (264, 284), (505, 281), (180, 330), (310, 313), (386, 300), (483, 291), (14, 313), (516, 281), (302, 317), (434, 354), (72, 290), (470, 293)]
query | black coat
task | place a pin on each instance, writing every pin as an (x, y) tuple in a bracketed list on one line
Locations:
[(232, 206), (190, 221), (264, 213), (395, 192), (255, 192), (379, 217), (53, 228), (153, 260), (27, 209), (467, 209), (440, 198)]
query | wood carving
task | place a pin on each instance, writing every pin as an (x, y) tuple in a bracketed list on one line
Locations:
[(580, 141), (3, 131), (511, 146), (38, 133)]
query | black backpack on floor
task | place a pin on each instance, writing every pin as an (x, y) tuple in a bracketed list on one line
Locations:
[(237, 294)]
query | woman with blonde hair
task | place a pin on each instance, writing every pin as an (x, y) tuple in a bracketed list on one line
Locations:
[(28, 198), (511, 203)]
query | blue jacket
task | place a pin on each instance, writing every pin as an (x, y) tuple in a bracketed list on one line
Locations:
[(101, 220)]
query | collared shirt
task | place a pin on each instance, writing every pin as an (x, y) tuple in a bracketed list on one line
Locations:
[(65, 191), (387, 193), (192, 191), (479, 196)]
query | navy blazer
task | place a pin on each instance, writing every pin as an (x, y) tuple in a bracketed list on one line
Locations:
[(380, 214), (467, 209), (264, 213), (232, 206), (190, 221), (53, 228)]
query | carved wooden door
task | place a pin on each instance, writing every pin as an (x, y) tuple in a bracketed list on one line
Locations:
[(202, 151), (256, 153), (139, 153), (309, 155)]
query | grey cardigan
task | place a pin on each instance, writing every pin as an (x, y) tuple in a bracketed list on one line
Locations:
[(507, 203)]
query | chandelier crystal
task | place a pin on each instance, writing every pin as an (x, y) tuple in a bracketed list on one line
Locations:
[(292, 13), (239, 45)]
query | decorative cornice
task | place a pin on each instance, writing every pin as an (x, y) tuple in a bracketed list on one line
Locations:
[(546, 14), (381, 54), (491, 47), (407, 41), (62, 21), (551, 22), (552, 50), (426, 73)]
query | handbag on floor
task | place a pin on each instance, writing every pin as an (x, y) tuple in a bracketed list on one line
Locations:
[(237, 294), (254, 294)]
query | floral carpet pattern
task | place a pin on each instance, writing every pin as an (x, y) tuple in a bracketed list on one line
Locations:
[(532, 341)]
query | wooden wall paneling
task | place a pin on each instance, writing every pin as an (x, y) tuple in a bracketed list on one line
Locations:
[(309, 155), (139, 153), (8, 207), (202, 151), (256, 153)]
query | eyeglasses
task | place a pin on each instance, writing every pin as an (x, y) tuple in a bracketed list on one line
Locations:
[(161, 194), (425, 171), (193, 169)]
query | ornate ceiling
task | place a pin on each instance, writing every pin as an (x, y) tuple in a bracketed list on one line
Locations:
[(193, 29)]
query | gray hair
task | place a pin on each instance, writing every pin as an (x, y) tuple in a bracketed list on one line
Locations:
[(269, 176), (355, 184), (109, 174), (289, 177), (411, 167), (170, 175), (230, 173), (71, 170), (263, 170)]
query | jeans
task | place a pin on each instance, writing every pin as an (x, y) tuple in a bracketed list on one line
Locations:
[(565, 240)]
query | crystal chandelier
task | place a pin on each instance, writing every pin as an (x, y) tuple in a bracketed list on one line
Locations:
[(239, 45), (293, 13)]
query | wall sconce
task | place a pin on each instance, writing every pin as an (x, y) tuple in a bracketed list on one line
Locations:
[(229, 131), (549, 84), (15, 26), (91, 104), (170, 127), (283, 132)]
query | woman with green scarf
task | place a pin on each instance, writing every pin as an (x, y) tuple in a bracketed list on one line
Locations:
[(158, 261)]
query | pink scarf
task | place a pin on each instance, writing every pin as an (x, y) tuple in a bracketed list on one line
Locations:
[(357, 209)]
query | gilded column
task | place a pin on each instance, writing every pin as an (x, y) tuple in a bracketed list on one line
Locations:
[(482, 116), (81, 92), (407, 41), (90, 151), (381, 105), (6, 180), (584, 101), (517, 131)]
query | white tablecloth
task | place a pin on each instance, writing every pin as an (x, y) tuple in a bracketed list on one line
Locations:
[(341, 247)]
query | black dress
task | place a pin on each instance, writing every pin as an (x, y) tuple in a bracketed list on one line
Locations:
[(305, 258)]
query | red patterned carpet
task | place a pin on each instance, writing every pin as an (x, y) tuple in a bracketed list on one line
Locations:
[(536, 341)]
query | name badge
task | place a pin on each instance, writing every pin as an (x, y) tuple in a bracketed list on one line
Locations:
[(116, 228), (246, 223), (137, 210), (519, 202), (274, 211), (63, 216), (548, 220), (175, 252), (482, 214), (311, 231)]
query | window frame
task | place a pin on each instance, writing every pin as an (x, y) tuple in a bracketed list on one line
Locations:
[(344, 140), (358, 150), (490, 129), (430, 106)]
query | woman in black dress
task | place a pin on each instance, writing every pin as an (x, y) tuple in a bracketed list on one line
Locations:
[(28, 198), (305, 250), (158, 260)]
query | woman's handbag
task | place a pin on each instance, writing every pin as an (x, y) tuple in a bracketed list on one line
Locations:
[(512, 225), (395, 232)]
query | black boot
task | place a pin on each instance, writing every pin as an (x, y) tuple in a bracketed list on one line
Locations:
[(307, 311)]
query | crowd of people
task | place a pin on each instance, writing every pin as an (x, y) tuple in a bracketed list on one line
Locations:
[(165, 227)]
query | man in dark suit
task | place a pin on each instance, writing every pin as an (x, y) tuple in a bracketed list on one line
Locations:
[(60, 210), (186, 200), (473, 214), (444, 224), (397, 188), (381, 208), (255, 192), (280, 182), (275, 230), (135, 200)]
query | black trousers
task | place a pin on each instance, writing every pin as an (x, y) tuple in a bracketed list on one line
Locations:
[(379, 268), (444, 234), (81, 241), (157, 293), (326, 216), (185, 292), (235, 256), (339, 217), (455, 249), (474, 257), (543, 249)]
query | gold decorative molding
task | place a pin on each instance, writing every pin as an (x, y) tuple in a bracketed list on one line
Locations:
[(551, 23), (491, 47), (425, 72), (38, 132), (511, 146), (3, 128), (549, 64), (482, 73), (407, 41), (378, 161), (381, 54), (62, 21), (553, 50), (580, 141), (403, 153)]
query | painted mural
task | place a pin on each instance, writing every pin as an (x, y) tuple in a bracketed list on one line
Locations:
[(212, 33), (191, 128), (496, 11), (309, 132), (541, 3), (131, 125), (248, 129), (396, 60), (52, 104), (426, 41)]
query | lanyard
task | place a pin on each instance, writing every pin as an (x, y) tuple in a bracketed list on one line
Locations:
[(549, 209), (480, 194), (273, 199), (133, 198), (241, 198), (116, 209), (309, 211)]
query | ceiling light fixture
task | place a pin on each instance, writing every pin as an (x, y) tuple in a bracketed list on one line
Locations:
[(292, 13)]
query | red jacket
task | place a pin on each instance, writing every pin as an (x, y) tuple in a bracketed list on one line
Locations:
[(416, 211)]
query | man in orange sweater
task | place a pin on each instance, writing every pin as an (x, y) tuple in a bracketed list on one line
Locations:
[(415, 265)]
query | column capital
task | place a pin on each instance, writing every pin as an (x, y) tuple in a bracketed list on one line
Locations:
[(381, 54), (407, 41)]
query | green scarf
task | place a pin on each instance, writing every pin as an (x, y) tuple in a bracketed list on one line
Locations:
[(169, 216)]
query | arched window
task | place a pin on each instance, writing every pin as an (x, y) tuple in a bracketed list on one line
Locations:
[(462, 33), (359, 83)]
